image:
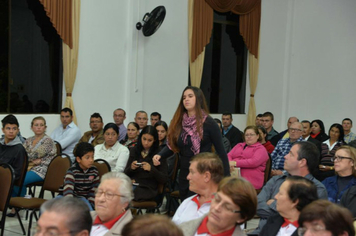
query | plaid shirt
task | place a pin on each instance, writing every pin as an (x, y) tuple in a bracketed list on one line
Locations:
[(349, 137), (282, 149)]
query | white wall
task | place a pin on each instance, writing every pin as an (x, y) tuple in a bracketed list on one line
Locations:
[(307, 61)]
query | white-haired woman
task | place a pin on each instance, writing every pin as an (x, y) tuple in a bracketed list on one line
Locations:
[(112, 200)]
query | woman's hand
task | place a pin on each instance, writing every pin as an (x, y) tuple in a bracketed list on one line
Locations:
[(146, 166), (156, 159), (133, 165), (37, 161), (232, 165)]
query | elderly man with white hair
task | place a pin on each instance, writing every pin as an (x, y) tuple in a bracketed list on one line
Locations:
[(112, 200)]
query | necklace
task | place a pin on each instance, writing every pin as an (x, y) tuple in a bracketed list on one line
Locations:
[(144, 153)]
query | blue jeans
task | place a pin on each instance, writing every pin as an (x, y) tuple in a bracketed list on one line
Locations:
[(31, 177)]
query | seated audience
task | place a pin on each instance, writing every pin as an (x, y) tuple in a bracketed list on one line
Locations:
[(233, 204), (347, 125), (145, 176), (344, 161), (151, 225), (67, 134), (283, 147), (141, 119), (133, 130), (294, 194), (119, 116), (267, 122), (284, 134), (95, 136), (306, 134), (348, 200), (11, 150), (111, 150), (263, 135), (328, 149), (250, 156), (258, 120), (226, 142), (112, 200), (162, 129), (82, 179), (318, 131), (301, 160), (232, 133), (322, 217), (155, 117), (60, 216), (40, 150), (205, 172)]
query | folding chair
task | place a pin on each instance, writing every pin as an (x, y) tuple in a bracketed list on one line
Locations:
[(102, 166), (152, 206), (53, 180), (7, 177)]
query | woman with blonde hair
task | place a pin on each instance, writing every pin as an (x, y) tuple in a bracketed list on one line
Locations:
[(345, 178)]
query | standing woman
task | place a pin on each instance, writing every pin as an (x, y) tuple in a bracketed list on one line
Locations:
[(192, 131)]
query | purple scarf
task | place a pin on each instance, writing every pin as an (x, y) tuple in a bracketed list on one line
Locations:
[(190, 128)]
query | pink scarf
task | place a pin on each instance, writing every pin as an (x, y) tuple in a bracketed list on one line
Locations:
[(190, 128)]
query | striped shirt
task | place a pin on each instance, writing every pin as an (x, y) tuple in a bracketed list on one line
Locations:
[(80, 183)]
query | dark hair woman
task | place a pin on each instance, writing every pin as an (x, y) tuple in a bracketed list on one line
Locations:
[(318, 131), (192, 131), (328, 150), (140, 168), (133, 130)]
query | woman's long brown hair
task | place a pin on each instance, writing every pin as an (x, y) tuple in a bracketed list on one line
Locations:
[(175, 126)]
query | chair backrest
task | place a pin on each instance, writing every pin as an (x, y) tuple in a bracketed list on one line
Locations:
[(59, 147), (268, 169), (57, 169), (7, 176), (19, 182), (102, 166)]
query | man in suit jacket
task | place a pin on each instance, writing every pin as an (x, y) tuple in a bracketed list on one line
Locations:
[(306, 134)]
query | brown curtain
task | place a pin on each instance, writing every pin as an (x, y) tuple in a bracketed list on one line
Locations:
[(253, 64), (70, 58), (60, 14), (250, 16), (196, 66)]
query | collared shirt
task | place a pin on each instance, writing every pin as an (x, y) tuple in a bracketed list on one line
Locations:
[(122, 132), (283, 147), (271, 134), (67, 138), (190, 209), (99, 228), (203, 230), (227, 130), (349, 137), (288, 228), (116, 155)]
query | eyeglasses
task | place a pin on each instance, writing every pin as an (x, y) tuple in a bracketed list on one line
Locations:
[(225, 206), (50, 232), (339, 158), (313, 230), (294, 130), (108, 195)]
